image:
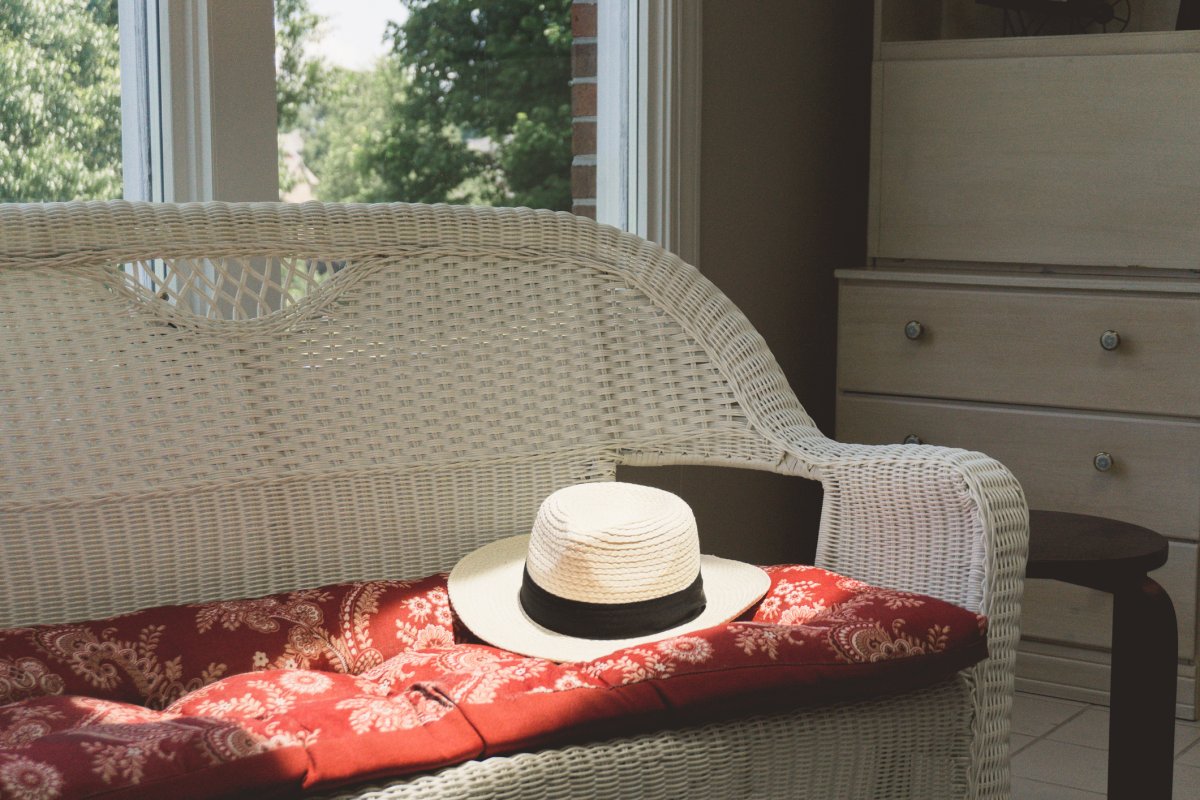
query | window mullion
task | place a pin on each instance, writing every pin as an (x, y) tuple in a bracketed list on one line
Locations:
[(648, 131), (185, 92), (198, 100), (140, 147)]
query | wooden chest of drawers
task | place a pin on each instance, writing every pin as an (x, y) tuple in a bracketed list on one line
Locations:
[(1090, 395), (1032, 285)]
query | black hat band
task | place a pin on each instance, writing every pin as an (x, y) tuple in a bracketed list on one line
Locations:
[(611, 620)]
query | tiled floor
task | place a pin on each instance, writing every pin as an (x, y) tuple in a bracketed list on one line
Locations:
[(1060, 751)]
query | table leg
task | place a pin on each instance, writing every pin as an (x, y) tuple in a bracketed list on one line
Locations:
[(1141, 736)]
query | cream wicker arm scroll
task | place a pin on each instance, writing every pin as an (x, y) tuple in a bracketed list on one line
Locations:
[(945, 522)]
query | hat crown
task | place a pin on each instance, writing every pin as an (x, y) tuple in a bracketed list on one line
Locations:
[(613, 543)]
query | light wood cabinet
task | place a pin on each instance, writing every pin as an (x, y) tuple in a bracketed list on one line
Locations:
[(1033, 289), (1047, 344), (1060, 148)]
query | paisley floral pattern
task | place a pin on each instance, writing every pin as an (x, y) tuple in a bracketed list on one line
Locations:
[(314, 687), (154, 657), (26, 779), (57, 747), (26, 676)]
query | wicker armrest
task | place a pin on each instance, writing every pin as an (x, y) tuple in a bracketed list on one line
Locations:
[(943, 521), (947, 522)]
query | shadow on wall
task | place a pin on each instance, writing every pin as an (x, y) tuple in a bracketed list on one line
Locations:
[(785, 119), (749, 515)]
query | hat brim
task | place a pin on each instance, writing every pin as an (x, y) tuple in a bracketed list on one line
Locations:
[(484, 589)]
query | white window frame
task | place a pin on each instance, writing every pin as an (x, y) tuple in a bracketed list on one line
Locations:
[(198, 109), (198, 100), (648, 120)]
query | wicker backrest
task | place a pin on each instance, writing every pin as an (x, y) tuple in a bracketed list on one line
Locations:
[(210, 401)]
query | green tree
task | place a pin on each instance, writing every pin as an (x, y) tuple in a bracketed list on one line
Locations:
[(476, 109), (488, 69), (343, 127), (60, 100), (298, 76)]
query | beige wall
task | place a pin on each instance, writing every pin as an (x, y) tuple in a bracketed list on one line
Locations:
[(783, 202)]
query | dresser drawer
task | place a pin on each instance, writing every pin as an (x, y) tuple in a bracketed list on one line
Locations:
[(1022, 346), (1153, 480)]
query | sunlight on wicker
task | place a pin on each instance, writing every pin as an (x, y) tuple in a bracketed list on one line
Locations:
[(214, 400)]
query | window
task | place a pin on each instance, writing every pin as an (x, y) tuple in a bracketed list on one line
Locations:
[(599, 110), (642, 109), (459, 101), (198, 100)]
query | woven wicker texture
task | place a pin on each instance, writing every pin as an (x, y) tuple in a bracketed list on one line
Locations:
[(906, 748), (212, 401)]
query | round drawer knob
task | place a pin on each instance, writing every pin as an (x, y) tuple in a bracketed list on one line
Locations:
[(912, 438), (1103, 462), (913, 329), (1110, 340)]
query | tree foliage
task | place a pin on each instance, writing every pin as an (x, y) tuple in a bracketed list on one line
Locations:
[(475, 107), (472, 104), (343, 130), (481, 63), (60, 110), (298, 76)]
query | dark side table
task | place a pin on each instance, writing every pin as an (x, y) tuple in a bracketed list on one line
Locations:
[(1115, 557)]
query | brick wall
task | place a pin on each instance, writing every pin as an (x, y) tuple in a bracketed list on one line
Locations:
[(583, 108)]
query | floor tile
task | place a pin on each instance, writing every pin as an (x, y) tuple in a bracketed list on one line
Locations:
[(1064, 764), (1090, 729), (1187, 783), (1185, 737), (1034, 715), (1025, 789), (1017, 742), (1190, 757)]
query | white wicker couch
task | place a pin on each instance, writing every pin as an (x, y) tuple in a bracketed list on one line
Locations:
[(191, 412)]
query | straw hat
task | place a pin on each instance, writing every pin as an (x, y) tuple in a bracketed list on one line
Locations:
[(606, 566)]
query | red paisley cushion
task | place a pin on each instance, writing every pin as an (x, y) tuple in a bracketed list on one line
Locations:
[(69, 747), (154, 657), (354, 704)]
